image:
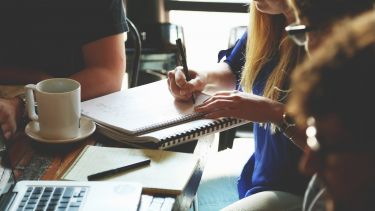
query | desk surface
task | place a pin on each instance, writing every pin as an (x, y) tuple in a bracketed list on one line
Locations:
[(36, 161)]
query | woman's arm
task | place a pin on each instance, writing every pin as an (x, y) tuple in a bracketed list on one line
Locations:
[(250, 107)]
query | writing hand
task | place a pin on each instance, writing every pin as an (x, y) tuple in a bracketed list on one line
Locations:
[(241, 105), (182, 89), (10, 112)]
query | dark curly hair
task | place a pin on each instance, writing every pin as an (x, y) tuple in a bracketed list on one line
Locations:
[(319, 13), (338, 78)]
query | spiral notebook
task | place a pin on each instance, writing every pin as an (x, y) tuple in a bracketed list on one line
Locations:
[(149, 116)]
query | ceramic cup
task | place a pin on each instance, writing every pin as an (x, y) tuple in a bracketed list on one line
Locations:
[(58, 103)]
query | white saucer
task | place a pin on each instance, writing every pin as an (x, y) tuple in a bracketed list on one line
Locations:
[(86, 129)]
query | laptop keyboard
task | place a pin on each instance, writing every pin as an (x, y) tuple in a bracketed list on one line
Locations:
[(50, 198), (152, 203)]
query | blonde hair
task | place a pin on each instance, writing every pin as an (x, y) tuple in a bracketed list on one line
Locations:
[(265, 41)]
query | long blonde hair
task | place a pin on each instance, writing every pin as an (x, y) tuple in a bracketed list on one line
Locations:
[(266, 40)]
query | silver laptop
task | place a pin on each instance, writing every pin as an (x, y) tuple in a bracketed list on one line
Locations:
[(39, 195), (72, 196)]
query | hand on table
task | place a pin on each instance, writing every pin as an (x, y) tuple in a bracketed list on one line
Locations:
[(10, 113), (241, 105)]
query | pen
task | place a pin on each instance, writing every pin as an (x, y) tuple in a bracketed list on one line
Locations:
[(182, 57), (110, 172)]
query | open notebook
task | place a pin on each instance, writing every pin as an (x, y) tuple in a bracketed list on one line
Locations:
[(168, 172), (149, 116)]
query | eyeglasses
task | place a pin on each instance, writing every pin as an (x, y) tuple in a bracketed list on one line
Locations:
[(318, 145), (297, 32)]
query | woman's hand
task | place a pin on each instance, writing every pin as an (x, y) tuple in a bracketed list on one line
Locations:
[(10, 113), (182, 89), (241, 105)]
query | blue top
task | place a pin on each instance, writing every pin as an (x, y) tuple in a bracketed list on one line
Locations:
[(235, 58), (274, 164)]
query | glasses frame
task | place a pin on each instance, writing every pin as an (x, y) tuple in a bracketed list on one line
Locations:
[(297, 32)]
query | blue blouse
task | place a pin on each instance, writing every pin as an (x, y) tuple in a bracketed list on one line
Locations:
[(235, 58), (274, 164)]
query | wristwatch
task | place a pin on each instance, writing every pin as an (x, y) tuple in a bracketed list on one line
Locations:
[(286, 123)]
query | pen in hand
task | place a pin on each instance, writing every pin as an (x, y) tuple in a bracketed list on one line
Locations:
[(182, 58), (123, 169)]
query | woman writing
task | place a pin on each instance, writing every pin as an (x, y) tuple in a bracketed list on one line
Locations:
[(270, 179)]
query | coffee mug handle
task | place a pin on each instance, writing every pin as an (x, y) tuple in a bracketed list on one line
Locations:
[(30, 103)]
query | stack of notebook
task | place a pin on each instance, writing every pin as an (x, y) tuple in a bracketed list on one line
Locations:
[(149, 116)]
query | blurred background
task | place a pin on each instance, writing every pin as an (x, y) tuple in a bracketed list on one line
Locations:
[(205, 27)]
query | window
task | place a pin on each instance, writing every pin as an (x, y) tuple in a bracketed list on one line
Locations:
[(206, 33)]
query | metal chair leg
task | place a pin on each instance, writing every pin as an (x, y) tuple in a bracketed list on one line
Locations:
[(195, 203)]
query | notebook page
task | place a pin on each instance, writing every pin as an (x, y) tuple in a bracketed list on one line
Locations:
[(168, 172), (93, 160), (135, 110)]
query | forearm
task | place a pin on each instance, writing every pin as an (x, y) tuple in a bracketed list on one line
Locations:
[(95, 81), (220, 75), (98, 81), (17, 76), (105, 63)]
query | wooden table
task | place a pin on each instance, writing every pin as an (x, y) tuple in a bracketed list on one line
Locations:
[(36, 161)]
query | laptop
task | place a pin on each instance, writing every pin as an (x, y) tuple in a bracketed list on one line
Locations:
[(50, 195), (71, 196)]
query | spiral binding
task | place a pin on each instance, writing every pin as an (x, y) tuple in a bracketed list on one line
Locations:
[(197, 132), (157, 126)]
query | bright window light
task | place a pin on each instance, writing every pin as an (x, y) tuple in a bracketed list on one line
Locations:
[(206, 33)]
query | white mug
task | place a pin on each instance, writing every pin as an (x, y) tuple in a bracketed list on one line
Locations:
[(59, 107)]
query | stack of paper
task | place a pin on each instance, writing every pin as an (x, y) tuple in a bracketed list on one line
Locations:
[(149, 116)]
